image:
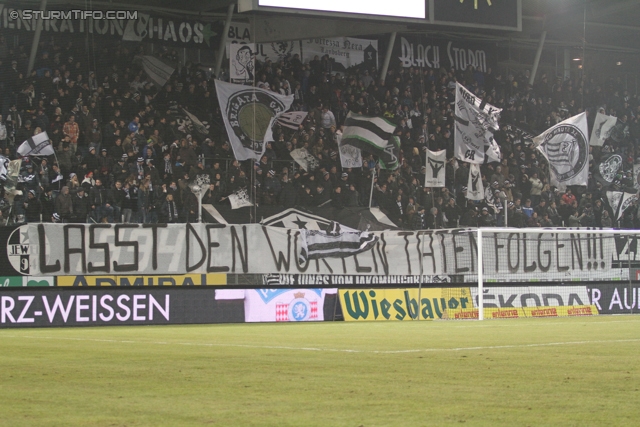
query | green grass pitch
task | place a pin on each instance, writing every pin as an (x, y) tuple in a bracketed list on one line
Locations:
[(525, 372)]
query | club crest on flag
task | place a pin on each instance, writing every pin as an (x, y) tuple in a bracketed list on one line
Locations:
[(18, 250), (636, 174), (249, 113), (610, 167), (240, 199), (567, 150)]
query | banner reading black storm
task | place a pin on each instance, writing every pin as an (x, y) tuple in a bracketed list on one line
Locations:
[(422, 52)]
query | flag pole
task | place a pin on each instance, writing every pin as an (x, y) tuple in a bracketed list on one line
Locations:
[(373, 175), (506, 212), (254, 208)]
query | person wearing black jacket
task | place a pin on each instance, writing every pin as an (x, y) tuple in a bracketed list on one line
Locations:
[(32, 207), (47, 203), (486, 219), (337, 198), (120, 169), (170, 210), (452, 213), (321, 196), (419, 221), (100, 202), (63, 204), (92, 161), (81, 207), (397, 210), (470, 218), (117, 196), (288, 194)]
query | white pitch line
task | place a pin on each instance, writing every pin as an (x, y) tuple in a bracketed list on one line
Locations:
[(334, 350)]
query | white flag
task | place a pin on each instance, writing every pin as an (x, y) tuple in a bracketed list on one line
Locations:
[(636, 176), (157, 70), (566, 148), (240, 199), (602, 129), (242, 61), (11, 177), (292, 119), (350, 156), (190, 123), (475, 189), (4, 168), (436, 162), (619, 202), (475, 123), (493, 151), (247, 113), (305, 159), (37, 145)]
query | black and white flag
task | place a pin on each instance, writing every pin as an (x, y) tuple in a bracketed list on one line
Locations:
[(334, 243), (375, 135), (240, 199), (292, 119), (37, 145), (608, 169), (11, 178), (305, 159), (248, 114), (435, 173), (566, 148), (158, 71), (475, 123), (4, 168), (475, 188), (190, 123), (620, 201), (602, 129), (636, 176), (517, 135)]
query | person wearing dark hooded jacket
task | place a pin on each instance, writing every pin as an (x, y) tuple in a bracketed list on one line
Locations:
[(64, 204)]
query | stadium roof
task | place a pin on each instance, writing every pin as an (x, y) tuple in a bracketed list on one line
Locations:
[(610, 27)]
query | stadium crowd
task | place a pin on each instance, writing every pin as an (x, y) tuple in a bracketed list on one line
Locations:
[(124, 155)]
